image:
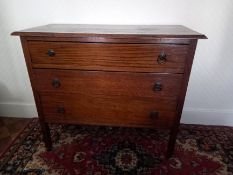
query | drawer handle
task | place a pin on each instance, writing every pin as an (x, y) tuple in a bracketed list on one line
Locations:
[(61, 110), (154, 114), (51, 53), (157, 86), (56, 83), (162, 58)]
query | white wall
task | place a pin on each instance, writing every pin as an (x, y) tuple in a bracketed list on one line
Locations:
[(210, 93)]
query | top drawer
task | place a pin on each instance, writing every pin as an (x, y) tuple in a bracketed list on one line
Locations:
[(109, 57)]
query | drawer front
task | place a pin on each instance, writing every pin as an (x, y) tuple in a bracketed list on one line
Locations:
[(108, 110), (110, 57), (108, 83)]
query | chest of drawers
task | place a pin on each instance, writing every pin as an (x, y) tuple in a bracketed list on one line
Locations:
[(132, 76)]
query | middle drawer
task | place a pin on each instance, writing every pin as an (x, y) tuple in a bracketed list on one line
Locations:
[(108, 83)]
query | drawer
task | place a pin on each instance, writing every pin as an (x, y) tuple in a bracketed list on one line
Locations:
[(108, 110), (109, 57), (108, 83)]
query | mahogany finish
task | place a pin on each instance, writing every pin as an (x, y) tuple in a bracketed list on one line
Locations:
[(108, 110), (134, 76), (108, 57), (119, 31), (108, 83)]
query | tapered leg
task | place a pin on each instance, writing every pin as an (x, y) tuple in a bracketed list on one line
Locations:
[(172, 142), (46, 135)]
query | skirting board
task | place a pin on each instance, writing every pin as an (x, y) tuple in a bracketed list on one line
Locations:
[(189, 116), (207, 116), (18, 110)]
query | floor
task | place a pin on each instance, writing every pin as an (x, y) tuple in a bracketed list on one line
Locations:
[(9, 128)]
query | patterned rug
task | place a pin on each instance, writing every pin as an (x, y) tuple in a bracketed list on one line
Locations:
[(93, 150)]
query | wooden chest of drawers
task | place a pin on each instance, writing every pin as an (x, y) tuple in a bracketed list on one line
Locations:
[(134, 76)]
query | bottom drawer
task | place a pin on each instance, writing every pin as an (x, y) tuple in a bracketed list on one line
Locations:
[(108, 110)]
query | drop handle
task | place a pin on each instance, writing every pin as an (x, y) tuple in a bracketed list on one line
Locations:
[(157, 86), (60, 110), (56, 83), (162, 58), (51, 53), (154, 114)]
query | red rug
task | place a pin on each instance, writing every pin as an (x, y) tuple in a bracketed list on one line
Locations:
[(92, 150)]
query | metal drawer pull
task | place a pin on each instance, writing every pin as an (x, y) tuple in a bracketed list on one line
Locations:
[(162, 58), (51, 53), (154, 114), (157, 86), (56, 83)]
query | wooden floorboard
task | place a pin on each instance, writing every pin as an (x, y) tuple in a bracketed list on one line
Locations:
[(9, 129)]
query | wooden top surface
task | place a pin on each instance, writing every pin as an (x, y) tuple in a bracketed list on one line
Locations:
[(78, 30)]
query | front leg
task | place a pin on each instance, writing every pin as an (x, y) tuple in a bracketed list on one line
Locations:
[(172, 141), (46, 135)]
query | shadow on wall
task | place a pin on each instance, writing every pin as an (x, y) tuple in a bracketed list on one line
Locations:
[(5, 94), (8, 107)]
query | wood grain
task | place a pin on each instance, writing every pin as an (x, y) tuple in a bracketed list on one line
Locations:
[(108, 83), (105, 74), (44, 126), (77, 30), (108, 110), (108, 57), (180, 103), (113, 39)]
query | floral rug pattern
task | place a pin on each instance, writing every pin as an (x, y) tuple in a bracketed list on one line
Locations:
[(99, 150)]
